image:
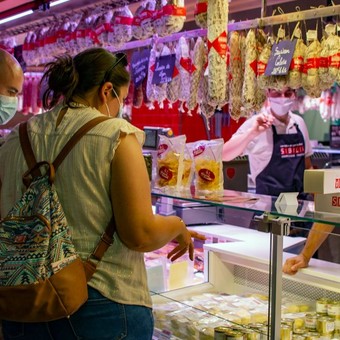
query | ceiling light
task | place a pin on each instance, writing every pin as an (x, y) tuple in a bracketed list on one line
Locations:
[(16, 16), (58, 2)]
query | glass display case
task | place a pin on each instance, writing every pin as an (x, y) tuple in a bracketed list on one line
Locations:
[(234, 288)]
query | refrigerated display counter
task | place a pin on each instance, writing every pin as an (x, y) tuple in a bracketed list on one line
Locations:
[(240, 289)]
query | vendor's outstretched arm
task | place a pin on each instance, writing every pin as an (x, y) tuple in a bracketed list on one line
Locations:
[(237, 144), (316, 237)]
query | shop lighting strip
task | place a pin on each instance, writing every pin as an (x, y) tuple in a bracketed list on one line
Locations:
[(57, 2), (16, 16)]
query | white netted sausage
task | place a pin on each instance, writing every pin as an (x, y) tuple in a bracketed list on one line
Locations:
[(199, 60), (217, 50)]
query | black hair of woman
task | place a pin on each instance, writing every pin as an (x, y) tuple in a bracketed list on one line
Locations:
[(68, 77)]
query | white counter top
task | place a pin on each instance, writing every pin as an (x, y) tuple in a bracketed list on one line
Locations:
[(247, 246)]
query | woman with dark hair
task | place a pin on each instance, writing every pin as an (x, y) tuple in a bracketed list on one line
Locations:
[(105, 172)]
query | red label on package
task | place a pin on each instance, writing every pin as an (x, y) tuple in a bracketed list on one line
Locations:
[(199, 150), (91, 34), (61, 34), (174, 10), (312, 63), (206, 175), (219, 44), (334, 60), (136, 21), (201, 7), (80, 33), (296, 64), (176, 72), (187, 64), (158, 14), (161, 148), (146, 14), (261, 67), (165, 173), (119, 20), (253, 66), (324, 62)]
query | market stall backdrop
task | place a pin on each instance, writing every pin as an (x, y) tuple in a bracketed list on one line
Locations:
[(193, 125)]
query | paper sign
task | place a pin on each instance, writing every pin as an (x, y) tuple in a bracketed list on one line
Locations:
[(164, 69), (139, 66), (280, 58)]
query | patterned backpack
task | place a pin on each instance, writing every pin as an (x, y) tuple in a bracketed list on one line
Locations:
[(41, 276)]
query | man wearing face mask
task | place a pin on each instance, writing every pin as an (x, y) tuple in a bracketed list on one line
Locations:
[(277, 144), (11, 82)]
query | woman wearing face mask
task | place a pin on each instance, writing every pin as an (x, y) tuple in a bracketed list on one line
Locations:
[(277, 144), (11, 82), (104, 173)]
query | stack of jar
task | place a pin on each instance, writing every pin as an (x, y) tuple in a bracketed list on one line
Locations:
[(323, 324)]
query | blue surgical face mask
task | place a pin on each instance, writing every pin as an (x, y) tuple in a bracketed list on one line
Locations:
[(120, 111), (8, 108)]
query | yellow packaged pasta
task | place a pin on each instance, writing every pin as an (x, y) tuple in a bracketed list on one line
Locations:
[(188, 168), (169, 162), (208, 167)]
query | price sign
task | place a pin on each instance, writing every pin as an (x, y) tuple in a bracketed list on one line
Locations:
[(280, 58), (139, 66), (164, 69)]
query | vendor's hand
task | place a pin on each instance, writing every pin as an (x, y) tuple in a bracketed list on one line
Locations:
[(185, 243), (292, 265), (263, 122)]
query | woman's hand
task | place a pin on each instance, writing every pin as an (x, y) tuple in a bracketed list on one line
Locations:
[(185, 243), (292, 265)]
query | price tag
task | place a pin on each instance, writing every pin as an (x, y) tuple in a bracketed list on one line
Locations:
[(139, 66), (281, 33), (280, 58), (312, 35), (297, 33), (330, 29), (164, 69)]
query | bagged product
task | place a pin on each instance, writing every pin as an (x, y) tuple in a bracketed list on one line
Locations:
[(103, 27), (174, 15), (208, 167), (122, 26), (188, 168), (169, 162), (200, 14)]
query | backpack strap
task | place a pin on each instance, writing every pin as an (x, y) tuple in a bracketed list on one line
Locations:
[(106, 239), (75, 139), (27, 149)]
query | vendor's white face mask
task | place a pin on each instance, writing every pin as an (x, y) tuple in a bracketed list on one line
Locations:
[(281, 105), (8, 108)]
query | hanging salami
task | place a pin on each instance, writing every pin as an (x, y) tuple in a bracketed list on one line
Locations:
[(217, 50)]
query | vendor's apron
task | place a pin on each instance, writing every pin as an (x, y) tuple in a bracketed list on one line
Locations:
[(284, 172)]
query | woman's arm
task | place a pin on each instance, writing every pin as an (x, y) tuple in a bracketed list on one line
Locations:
[(137, 226)]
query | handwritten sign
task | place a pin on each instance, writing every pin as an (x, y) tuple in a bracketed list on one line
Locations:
[(280, 58), (164, 69), (139, 66)]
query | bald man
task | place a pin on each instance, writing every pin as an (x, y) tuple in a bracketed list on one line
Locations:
[(11, 83)]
